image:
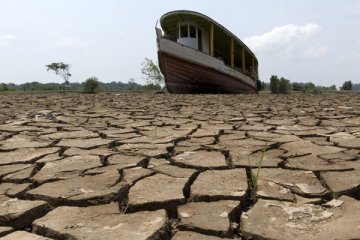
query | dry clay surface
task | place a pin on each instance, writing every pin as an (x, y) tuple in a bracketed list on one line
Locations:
[(158, 166)]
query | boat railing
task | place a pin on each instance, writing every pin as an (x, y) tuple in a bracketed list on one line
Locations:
[(170, 37), (253, 74)]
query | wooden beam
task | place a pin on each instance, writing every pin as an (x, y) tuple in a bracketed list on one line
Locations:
[(243, 59), (211, 39), (253, 64), (232, 53)]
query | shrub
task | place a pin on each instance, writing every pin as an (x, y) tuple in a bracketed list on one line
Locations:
[(281, 85), (347, 86), (4, 87), (152, 87), (91, 85), (284, 86), (274, 84), (298, 86)]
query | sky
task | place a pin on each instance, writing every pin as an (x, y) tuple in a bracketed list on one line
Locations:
[(302, 40)]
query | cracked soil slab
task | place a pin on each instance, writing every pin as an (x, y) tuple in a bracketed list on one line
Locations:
[(283, 220), (106, 222)]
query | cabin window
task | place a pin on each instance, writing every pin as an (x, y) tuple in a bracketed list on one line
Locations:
[(192, 31), (184, 31), (200, 40), (190, 35)]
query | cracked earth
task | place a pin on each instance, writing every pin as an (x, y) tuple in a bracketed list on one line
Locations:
[(144, 166)]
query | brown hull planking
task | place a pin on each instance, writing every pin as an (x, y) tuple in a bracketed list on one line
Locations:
[(182, 76)]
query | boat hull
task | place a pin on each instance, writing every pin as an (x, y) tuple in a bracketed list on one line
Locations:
[(183, 76)]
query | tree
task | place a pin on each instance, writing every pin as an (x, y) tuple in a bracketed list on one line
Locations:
[(332, 87), (274, 84), (152, 72), (309, 87), (284, 86), (61, 69), (151, 87), (326, 88), (356, 86), (297, 86), (347, 86), (91, 85), (4, 87), (132, 85), (265, 86)]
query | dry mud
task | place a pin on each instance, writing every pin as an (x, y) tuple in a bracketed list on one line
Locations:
[(158, 166)]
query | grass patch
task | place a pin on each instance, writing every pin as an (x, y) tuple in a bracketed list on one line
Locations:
[(254, 177)]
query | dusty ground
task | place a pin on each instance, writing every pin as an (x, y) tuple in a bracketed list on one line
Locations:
[(143, 166)]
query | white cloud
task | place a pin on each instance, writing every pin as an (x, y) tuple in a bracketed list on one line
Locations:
[(67, 42), (315, 52), (7, 39), (281, 36)]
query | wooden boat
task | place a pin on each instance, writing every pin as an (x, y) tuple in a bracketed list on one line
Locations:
[(198, 55)]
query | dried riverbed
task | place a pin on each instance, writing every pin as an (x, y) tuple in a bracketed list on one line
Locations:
[(157, 166)]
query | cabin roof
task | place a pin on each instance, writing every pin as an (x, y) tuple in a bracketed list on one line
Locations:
[(222, 35)]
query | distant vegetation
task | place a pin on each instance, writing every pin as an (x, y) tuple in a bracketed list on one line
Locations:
[(347, 86), (91, 85), (4, 88), (282, 86), (154, 81), (131, 85), (75, 86), (356, 86)]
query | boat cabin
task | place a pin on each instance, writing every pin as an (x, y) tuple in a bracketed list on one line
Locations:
[(194, 36), (201, 33)]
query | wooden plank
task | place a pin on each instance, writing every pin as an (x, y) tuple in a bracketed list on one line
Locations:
[(232, 53), (182, 76), (243, 59), (211, 39), (197, 57), (253, 64)]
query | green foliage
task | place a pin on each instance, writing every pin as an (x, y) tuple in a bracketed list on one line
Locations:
[(310, 87), (274, 84), (4, 88), (347, 86), (152, 87), (61, 69), (324, 88), (75, 86), (356, 86), (255, 177), (298, 87), (332, 87), (284, 86), (152, 72), (133, 86), (91, 86), (281, 85), (36, 86), (265, 86)]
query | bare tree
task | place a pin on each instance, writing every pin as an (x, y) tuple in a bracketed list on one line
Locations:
[(152, 72), (61, 69)]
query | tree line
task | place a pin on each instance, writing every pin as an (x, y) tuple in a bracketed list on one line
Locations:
[(154, 81), (76, 86), (282, 85)]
